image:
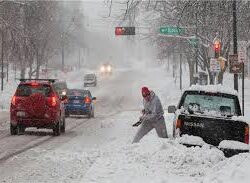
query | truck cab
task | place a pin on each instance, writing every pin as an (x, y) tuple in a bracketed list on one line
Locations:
[(212, 113)]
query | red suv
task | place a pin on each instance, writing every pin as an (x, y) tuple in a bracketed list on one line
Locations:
[(37, 104)]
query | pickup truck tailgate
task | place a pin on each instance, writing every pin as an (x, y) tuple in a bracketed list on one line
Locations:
[(213, 130)]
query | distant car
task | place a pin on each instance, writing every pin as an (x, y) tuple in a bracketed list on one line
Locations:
[(80, 102), (61, 87), (106, 69), (214, 114), (36, 104), (90, 80)]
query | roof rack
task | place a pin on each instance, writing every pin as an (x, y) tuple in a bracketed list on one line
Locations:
[(24, 80)]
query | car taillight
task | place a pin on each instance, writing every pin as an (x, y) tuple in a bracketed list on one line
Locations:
[(53, 101), (13, 100), (87, 100), (178, 123), (247, 135)]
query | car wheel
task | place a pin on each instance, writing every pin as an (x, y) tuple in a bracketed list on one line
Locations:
[(93, 114), (57, 129), (66, 115), (13, 130), (63, 126), (20, 130)]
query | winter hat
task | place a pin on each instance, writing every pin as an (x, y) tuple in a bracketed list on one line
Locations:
[(145, 91)]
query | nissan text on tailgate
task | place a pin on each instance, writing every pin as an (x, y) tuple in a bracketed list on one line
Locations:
[(212, 113), (36, 104)]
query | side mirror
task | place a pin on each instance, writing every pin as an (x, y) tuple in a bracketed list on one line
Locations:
[(93, 98), (171, 109)]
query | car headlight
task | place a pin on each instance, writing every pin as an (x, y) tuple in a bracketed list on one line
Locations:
[(63, 92), (109, 68), (102, 69)]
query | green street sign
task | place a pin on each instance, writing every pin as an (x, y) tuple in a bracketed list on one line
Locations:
[(170, 30)]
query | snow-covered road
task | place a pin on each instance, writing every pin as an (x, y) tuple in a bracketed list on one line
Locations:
[(99, 150)]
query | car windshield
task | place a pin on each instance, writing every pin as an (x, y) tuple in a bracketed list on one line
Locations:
[(60, 86), (205, 103), (89, 76), (83, 93), (26, 90)]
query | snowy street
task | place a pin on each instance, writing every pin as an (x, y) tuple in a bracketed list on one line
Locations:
[(124, 91), (100, 149)]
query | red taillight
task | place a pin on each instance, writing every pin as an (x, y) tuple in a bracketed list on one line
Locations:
[(247, 135), (87, 100), (178, 123), (13, 100), (53, 101)]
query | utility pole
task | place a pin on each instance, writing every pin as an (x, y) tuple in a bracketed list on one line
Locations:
[(235, 41), (62, 52), (196, 45), (2, 64)]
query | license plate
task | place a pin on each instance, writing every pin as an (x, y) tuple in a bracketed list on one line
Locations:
[(20, 113), (76, 102)]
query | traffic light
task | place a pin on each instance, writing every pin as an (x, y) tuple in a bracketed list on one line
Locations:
[(217, 48), (124, 31)]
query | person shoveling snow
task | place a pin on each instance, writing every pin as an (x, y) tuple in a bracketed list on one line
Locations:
[(152, 116)]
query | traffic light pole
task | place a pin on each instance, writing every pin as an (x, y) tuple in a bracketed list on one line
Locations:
[(235, 41)]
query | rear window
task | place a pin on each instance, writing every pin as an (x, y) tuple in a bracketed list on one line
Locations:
[(90, 76), (202, 103), (84, 93), (60, 86), (26, 90)]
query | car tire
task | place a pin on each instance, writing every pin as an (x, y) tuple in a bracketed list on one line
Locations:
[(13, 130), (66, 115), (57, 129), (20, 130), (93, 114), (63, 126), (89, 115)]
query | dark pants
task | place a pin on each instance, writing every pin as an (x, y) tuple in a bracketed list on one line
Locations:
[(147, 126)]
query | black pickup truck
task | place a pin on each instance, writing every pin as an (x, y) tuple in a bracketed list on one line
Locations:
[(213, 114)]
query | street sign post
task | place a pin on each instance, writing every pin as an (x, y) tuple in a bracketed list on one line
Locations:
[(171, 30), (215, 65), (235, 66)]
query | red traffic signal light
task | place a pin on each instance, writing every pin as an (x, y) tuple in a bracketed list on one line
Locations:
[(217, 46), (119, 31), (124, 31)]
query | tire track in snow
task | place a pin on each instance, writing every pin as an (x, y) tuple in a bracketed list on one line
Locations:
[(34, 143)]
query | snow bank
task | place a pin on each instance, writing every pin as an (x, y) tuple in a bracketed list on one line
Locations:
[(152, 160), (230, 144), (190, 139), (232, 170)]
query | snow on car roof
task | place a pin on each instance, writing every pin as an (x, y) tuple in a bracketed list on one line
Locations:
[(213, 89)]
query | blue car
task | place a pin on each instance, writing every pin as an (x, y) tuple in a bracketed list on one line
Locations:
[(80, 102)]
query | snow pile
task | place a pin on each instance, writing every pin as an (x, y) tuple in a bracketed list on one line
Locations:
[(191, 140), (231, 170), (213, 89), (152, 160), (230, 144)]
